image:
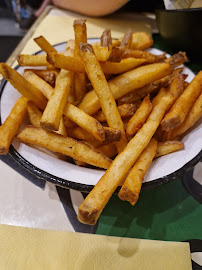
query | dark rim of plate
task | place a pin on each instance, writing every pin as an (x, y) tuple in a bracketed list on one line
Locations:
[(83, 187)]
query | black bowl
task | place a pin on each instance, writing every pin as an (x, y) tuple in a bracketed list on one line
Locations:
[(182, 30)]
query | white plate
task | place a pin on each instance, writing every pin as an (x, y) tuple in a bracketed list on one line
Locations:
[(47, 166)]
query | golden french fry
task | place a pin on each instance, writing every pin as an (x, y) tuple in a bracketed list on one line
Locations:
[(125, 110), (69, 123), (141, 41), (139, 118), (106, 39), (76, 115), (193, 116), (177, 59), (10, 127), (66, 146), (168, 147), (151, 58), (92, 206), (108, 150), (131, 188), (47, 75), (125, 83), (160, 94), (80, 37), (102, 53), (44, 44), (39, 60), (116, 54), (111, 134), (62, 129), (180, 109), (34, 114), (23, 86), (123, 66), (66, 62), (103, 92), (53, 112), (127, 39)]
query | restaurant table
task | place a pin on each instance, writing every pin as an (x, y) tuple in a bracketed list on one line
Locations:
[(167, 212)]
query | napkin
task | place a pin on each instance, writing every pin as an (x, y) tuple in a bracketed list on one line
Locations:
[(31, 249), (57, 29)]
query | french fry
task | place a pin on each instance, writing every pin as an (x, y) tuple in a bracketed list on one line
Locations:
[(116, 54), (47, 75), (66, 62), (80, 37), (54, 110), (125, 110), (125, 83), (106, 39), (123, 66), (66, 146), (160, 94), (141, 41), (39, 60), (101, 87), (69, 123), (102, 53), (168, 147), (92, 206), (151, 58), (194, 115), (139, 118), (111, 134), (131, 188), (108, 150), (34, 114), (149, 88), (10, 127), (44, 44), (126, 41), (177, 59), (76, 115), (180, 109), (23, 86)]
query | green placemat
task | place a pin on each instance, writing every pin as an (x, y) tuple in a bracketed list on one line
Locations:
[(167, 212)]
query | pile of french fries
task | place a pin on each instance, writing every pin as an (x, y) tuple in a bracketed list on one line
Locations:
[(110, 104)]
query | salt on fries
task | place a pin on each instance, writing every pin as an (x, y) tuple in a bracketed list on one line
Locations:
[(110, 99)]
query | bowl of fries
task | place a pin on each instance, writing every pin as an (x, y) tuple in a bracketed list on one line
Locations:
[(102, 114)]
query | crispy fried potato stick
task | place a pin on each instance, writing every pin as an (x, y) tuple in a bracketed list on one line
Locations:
[(10, 127), (66, 146), (44, 44), (160, 94), (82, 119), (123, 66), (180, 109), (111, 134), (92, 206), (35, 115), (54, 110), (103, 92), (149, 88), (125, 110), (177, 59), (168, 147), (39, 60), (125, 83), (23, 86), (194, 115), (127, 39), (131, 188), (106, 39), (139, 118), (116, 54), (80, 37), (47, 75), (66, 62), (108, 150), (151, 58), (102, 53)]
